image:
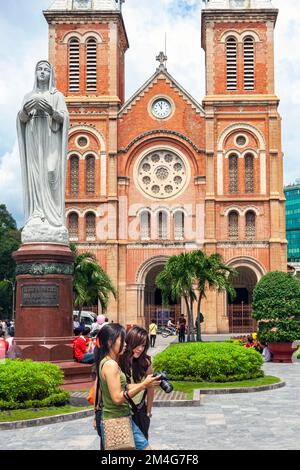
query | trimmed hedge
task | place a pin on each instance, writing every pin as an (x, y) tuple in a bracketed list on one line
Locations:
[(276, 305), (28, 384), (209, 362)]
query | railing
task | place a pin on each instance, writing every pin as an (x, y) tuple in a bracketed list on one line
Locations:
[(161, 314), (240, 319)]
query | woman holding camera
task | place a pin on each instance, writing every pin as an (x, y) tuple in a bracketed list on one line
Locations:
[(136, 365), (115, 393)]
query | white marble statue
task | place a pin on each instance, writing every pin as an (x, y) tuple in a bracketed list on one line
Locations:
[(42, 126)]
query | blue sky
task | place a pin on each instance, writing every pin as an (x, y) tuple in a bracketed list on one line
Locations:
[(24, 40)]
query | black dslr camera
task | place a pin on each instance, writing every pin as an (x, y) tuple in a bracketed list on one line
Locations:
[(165, 385)]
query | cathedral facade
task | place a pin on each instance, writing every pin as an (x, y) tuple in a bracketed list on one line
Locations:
[(161, 174)]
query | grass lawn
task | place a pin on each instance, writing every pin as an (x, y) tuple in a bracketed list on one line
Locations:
[(21, 415), (188, 387)]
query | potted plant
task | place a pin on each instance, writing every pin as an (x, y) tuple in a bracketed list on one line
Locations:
[(276, 306)]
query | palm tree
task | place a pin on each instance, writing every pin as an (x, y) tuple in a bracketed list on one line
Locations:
[(210, 273), (176, 282), (90, 283), (188, 276)]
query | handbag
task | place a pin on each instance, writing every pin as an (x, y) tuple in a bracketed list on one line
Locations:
[(118, 434)]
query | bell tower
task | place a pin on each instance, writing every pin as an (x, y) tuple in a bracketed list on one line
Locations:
[(244, 196), (87, 45)]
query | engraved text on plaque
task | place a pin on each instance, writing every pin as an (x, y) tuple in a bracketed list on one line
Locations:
[(46, 295)]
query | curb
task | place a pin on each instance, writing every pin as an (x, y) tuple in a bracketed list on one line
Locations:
[(81, 401), (228, 391), (47, 420)]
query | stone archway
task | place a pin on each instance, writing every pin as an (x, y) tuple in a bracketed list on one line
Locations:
[(239, 310), (150, 296)]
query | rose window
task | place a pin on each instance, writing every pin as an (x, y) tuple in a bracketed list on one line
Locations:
[(162, 174)]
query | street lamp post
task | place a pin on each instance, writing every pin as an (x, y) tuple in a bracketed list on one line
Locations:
[(13, 285)]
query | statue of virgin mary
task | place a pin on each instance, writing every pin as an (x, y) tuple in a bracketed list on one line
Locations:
[(42, 126)]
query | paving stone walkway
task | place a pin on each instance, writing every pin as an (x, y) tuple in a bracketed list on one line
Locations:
[(264, 420)]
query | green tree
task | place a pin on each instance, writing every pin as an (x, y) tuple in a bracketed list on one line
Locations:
[(176, 281), (210, 273), (10, 241), (189, 276), (91, 283), (276, 305)]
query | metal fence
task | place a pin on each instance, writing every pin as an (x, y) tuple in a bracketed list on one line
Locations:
[(161, 315), (240, 319)]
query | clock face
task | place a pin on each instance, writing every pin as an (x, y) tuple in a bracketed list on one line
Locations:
[(161, 108), (82, 4)]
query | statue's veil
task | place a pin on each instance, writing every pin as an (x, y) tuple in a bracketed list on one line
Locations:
[(52, 81)]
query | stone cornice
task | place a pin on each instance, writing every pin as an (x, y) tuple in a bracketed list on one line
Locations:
[(235, 16), (78, 17), (243, 244), (81, 100), (246, 100), (161, 132)]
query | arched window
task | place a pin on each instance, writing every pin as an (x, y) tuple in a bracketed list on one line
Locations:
[(249, 63), (74, 48), (73, 226), (145, 224), (249, 173), (162, 226), (231, 62), (90, 174), (74, 175), (233, 225), (250, 225), (91, 65), (90, 226), (179, 225), (233, 173)]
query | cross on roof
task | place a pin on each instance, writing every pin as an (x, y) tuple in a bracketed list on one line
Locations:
[(162, 59)]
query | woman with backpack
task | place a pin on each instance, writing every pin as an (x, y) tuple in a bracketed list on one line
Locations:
[(118, 430), (136, 365)]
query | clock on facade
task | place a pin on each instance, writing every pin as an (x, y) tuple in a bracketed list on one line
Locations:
[(82, 4), (161, 108)]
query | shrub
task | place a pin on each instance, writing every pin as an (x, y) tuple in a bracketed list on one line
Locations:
[(276, 304), (28, 384), (209, 362)]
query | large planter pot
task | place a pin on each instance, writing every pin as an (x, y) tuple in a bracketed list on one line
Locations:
[(282, 352)]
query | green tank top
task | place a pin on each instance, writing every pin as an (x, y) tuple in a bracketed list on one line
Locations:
[(109, 409)]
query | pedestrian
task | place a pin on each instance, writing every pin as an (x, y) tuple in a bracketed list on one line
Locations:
[(153, 333), (82, 325), (181, 328), (76, 324), (136, 364), (266, 354), (118, 429), (95, 328), (3, 345), (81, 348), (250, 342), (11, 353)]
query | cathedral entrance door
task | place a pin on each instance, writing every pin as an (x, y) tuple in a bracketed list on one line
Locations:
[(240, 309), (153, 306)]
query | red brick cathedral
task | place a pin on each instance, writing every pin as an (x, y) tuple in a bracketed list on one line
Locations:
[(161, 174)]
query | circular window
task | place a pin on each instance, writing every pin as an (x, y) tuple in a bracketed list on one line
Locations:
[(241, 140), (82, 141), (161, 174)]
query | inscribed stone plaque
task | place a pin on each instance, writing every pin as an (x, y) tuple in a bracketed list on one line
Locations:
[(46, 295)]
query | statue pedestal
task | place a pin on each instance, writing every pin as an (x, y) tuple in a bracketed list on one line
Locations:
[(44, 306)]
